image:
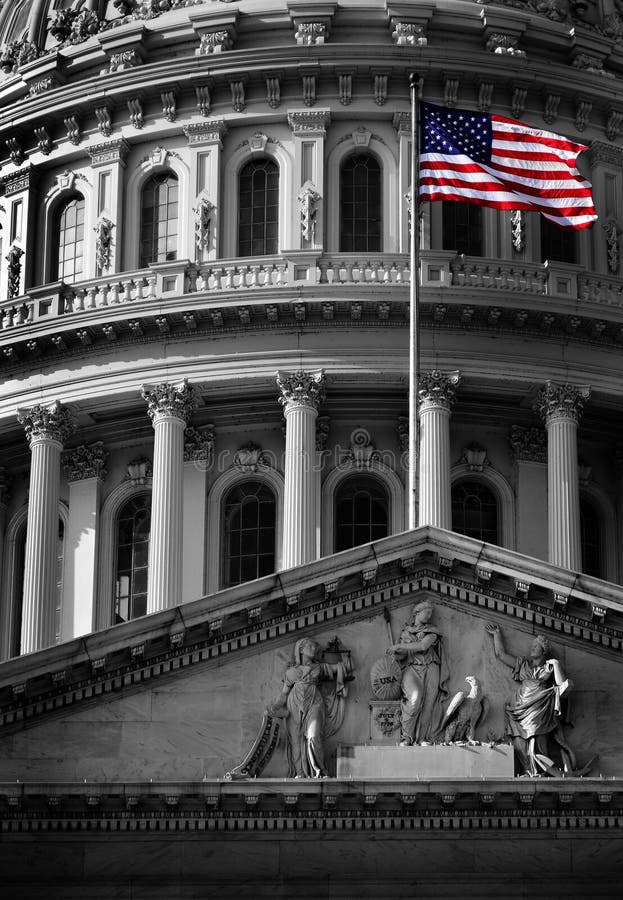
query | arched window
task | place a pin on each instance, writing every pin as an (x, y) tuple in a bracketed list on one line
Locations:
[(258, 208), (133, 527), (557, 243), (19, 562), (249, 520), (159, 219), (591, 539), (69, 240), (475, 511), (462, 227), (360, 204), (361, 512)]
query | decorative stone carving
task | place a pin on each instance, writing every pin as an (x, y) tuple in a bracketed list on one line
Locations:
[(169, 400), (311, 33), (103, 242), (529, 444), (273, 91), (475, 458), (85, 461), (409, 34), (72, 26), (402, 429), (582, 113), (301, 388), (6, 481), (612, 244), (214, 42), (550, 111), (44, 84), (135, 108), (362, 451), (204, 99), (322, 433), (379, 88), (518, 101), (518, 230), (345, 88), (139, 470), (361, 136), (614, 124), (203, 133), (536, 714), (258, 141), (199, 444), (438, 388), (312, 123), (591, 64), (424, 673), (16, 54), (169, 105), (450, 91), (309, 89), (250, 457), (561, 401), (115, 151), (104, 124), (72, 126), (204, 212), (14, 259), (44, 144), (54, 422), (308, 199), (386, 718), (485, 95), (505, 44), (463, 714), (238, 99), (312, 715), (16, 153), (119, 62)]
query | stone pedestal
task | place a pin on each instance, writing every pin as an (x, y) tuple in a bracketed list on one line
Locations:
[(370, 761)]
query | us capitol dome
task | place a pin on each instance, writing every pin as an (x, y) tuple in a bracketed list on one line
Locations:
[(205, 283)]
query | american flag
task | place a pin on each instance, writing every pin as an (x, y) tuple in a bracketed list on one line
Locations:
[(494, 161)]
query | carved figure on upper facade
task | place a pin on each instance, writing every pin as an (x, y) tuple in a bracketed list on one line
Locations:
[(421, 657), (312, 712), (464, 712), (14, 259), (103, 242), (536, 713)]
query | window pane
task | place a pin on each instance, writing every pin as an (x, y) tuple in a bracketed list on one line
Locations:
[(475, 511), (361, 512), (249, 517), (159, 219), (70, 233), (360, 204), (557, 243), (462, 227), (132, 555), (258, 209)]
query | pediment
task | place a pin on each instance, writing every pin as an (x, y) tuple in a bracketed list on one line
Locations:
[(181, 693)]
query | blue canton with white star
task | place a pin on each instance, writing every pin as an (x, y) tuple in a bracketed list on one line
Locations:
[(455, 131)]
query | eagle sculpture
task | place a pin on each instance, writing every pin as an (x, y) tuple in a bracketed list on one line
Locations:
[(463, 714)]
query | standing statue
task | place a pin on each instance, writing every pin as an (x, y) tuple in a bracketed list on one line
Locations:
[(419, 653), (533, 715), (312, 714)]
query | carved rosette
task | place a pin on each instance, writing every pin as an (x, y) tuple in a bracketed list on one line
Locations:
[(529, 444), (86, 461), (561, 401), (438, 388), (199, 444), (47, 423), (301, 389), (169, 401)]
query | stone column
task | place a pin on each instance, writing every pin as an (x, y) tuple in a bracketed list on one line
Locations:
[(85, 469), (436, 392), (47, 428), (529, 447), (169, 408), (560, 407), (301, 395)]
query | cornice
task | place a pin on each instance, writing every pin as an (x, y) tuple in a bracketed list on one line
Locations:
[(456, 571), (252, 806)]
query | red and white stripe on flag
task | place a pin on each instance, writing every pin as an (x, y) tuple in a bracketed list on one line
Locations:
[(527, 168)]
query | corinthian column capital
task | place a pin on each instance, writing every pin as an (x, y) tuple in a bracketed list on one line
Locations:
[(438, 389), (561, 401), (52, 423), (169, 401), (301, 389)]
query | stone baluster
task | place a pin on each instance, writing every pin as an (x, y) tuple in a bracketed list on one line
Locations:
[(47, 428), (560, 407), (436, 393), (169, 407), (301, 395)]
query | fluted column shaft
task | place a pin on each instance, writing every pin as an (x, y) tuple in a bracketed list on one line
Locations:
[(46, 428), (169, 408), (301, 394), (436, 396), (561, 407)]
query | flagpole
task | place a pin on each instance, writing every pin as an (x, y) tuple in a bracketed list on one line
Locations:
[(414, 291)]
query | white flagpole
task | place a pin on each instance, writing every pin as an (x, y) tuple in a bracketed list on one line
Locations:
[(415, 84)]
